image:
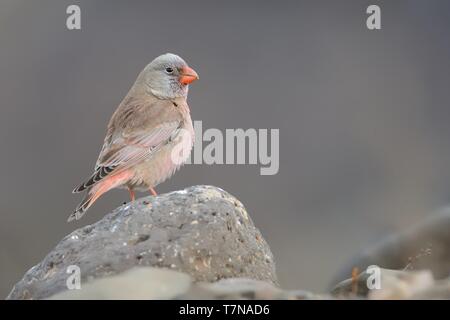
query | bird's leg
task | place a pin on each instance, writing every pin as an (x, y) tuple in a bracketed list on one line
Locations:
[(132, 196), (153, 192)]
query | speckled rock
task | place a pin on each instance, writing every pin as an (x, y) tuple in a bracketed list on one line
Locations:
[(202, 231)]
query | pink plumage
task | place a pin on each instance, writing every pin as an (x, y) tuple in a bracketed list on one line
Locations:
[(145, 134)]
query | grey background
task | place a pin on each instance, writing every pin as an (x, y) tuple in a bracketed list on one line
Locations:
[(363, 116)]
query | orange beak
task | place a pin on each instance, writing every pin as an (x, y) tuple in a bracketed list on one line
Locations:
[(188, 75)]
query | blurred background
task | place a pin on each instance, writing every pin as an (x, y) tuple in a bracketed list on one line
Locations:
[(363, 116)]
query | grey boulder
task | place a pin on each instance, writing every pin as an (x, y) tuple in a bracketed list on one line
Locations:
[(201, 231)]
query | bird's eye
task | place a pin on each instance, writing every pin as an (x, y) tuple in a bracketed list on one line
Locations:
[(169, 70)]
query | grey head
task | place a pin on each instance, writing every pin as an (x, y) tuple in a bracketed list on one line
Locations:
[(168, 76)]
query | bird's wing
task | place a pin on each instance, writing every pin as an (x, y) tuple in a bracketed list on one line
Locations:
[(136, 132)]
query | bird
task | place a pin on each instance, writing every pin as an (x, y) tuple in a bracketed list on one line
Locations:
[(149, 136)]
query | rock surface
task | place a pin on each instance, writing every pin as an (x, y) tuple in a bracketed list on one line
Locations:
[(158, 283), (200, 243), (394, 284), (423, 247), (202, 231), (137, 283)]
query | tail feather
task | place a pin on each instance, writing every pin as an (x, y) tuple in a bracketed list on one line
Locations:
[(91, 196), (97, 176), (81, 208), (95, 191)]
